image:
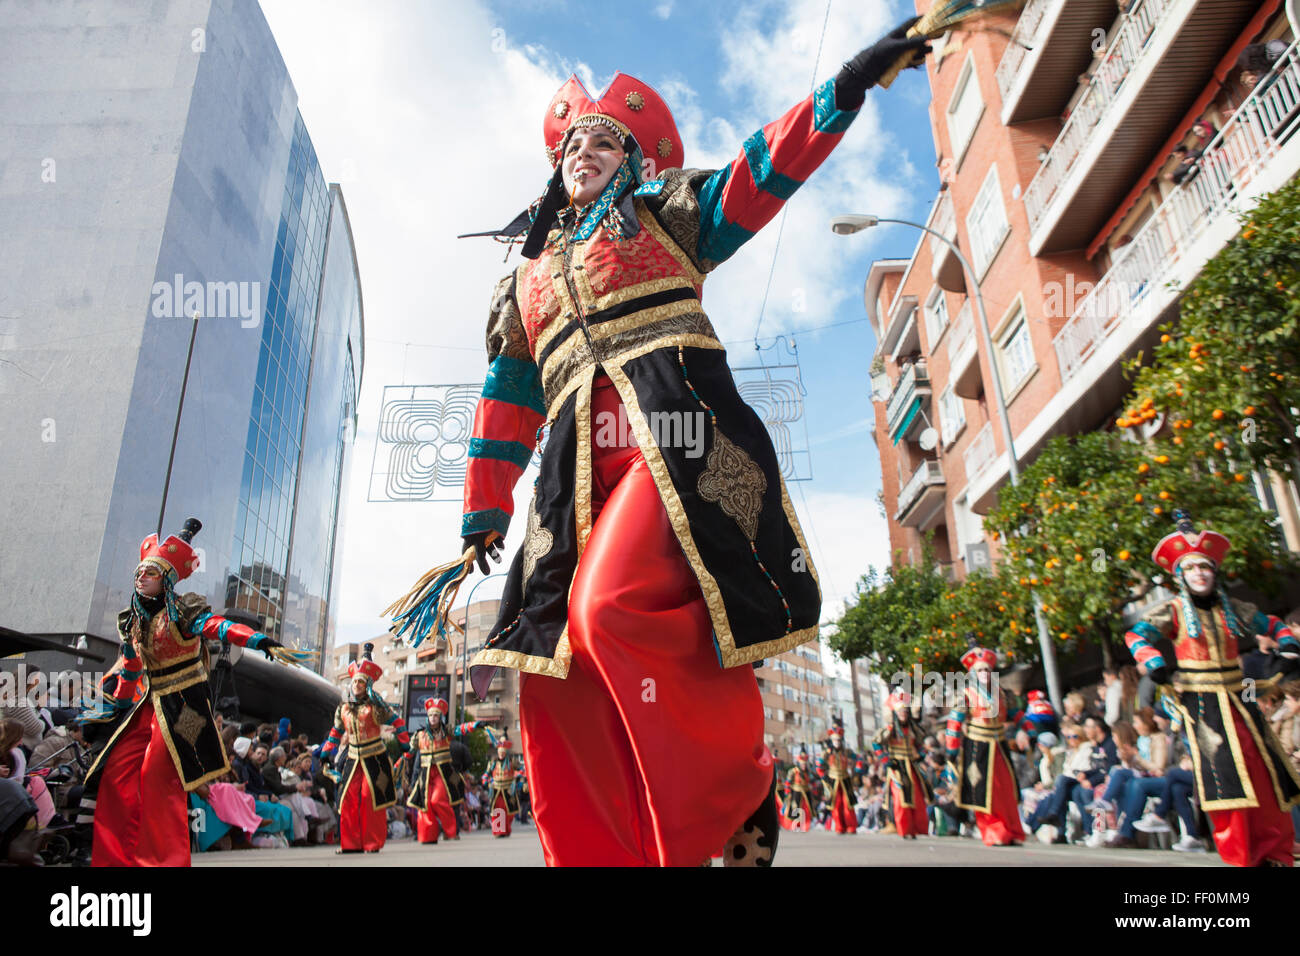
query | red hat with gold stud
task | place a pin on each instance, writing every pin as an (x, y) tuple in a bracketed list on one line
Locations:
[(437, 703), (899, 698), (979, 655), (366, 667), (627, 106), (175, 557), (1186, 541)]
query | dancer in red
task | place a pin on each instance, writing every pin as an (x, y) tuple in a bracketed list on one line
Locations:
[(662, 554), (839, 783), (368, 787), (976, 735), (503, 804), (909, 792), (438, 788), (1244, 778), (162, 736), (797, 809)]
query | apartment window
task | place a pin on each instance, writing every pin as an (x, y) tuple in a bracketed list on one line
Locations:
[(987, 222), (936, 316), (952, 415), (964, 110), (1017, 352)]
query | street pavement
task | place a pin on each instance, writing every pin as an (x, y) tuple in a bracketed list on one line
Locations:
[(817, 848)]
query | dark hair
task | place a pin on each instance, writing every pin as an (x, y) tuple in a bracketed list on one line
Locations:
[(1255, 58), (247, 728), (1180, 148), (1125, 733)]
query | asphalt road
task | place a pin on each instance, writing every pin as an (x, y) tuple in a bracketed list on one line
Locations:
[(817, 848)]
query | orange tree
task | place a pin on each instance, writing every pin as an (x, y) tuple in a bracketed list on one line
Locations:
[(1080, 527), (1226, 376)]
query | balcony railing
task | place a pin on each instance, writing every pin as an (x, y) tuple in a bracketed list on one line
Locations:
[(962, 335), (1031, 18), (1248, 140), (916, 376), (928, 474), (980, 453), (944, 223), (1117, 65)]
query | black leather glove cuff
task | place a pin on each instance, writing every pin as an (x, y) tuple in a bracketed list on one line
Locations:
[(863, 71), (1159, 674)]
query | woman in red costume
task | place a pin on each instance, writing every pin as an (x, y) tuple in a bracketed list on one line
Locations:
[(908, 791), (839, 783), (977, 744), (369, 780), (162, 736), (797, 809), (1245, 781), (662, 555), (438, 788)]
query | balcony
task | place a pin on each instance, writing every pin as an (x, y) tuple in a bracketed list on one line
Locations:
[(963, 357), (901, 335), (1158, 62), (944, 266), (1038, 82), (904, 413), (1254, 153), (980, 453), (920, 503)]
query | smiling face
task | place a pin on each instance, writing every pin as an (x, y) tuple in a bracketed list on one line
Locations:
[(1199, 575), (591, 157), (359, 687)]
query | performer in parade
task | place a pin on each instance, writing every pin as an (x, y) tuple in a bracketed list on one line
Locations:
[(437, 789), (648, 567), (1244, 779), (839, 783), (798, 808), (899, 743), (976, 742), (502, 801), (156, 714), (368, 778)]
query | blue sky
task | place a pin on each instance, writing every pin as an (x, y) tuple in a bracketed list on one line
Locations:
[(430, 117)]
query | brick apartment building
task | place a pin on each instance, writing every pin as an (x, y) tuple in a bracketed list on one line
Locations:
[(1054, 151), (796, 696)]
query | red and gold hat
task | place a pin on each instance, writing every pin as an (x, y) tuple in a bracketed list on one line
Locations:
[(437, 703), (1184, 542), (174, 557), (899, 698), (366, 667), (979, 655), (628, 106)]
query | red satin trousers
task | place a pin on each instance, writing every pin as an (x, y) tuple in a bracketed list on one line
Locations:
[(649, 753), (1252, 835)]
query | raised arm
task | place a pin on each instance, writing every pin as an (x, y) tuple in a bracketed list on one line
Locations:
[(1141, 641)]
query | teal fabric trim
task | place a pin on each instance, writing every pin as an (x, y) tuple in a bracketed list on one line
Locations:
[(719, 239), (1260, 624), (759, 157), (652, 188), (516, 453), (901, 430), (1147, 631), (826, 118), (516, 381), (196, 626), (494, 519)]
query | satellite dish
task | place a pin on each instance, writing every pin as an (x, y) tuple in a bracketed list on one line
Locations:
[(929, 438)]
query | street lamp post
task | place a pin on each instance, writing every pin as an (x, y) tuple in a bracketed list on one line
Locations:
[(464, 643), (846, 226)]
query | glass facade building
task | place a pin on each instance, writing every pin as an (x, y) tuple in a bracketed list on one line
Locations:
[(177, 160)]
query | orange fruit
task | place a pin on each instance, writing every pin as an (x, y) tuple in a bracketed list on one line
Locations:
[(1250, 409), (1164, 496), (1219, 446), (1138, 499), (1217, 414), (1143, 468), (1157, 510), (1124, 555), (1165, 339), (1238, 477)]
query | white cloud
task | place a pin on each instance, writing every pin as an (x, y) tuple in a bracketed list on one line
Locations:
[(664, 10), (434, 117)]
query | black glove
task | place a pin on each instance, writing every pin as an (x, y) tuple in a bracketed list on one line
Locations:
[(486, 544), (1287, 664), (1159, 674), (265, 646), (863, 71)]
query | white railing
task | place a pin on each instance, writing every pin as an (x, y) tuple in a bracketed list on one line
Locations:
[(904, 391), (1026, 35), (962, 334), (1248, 140), (929, 473), (1117, 64), (980, 453), (943, 222)]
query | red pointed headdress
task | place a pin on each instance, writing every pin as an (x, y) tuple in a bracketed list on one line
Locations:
[(175, 557), (1187, 541), (437, 703), (899, 698), (366, 666), (627, 105), (977, 655)]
